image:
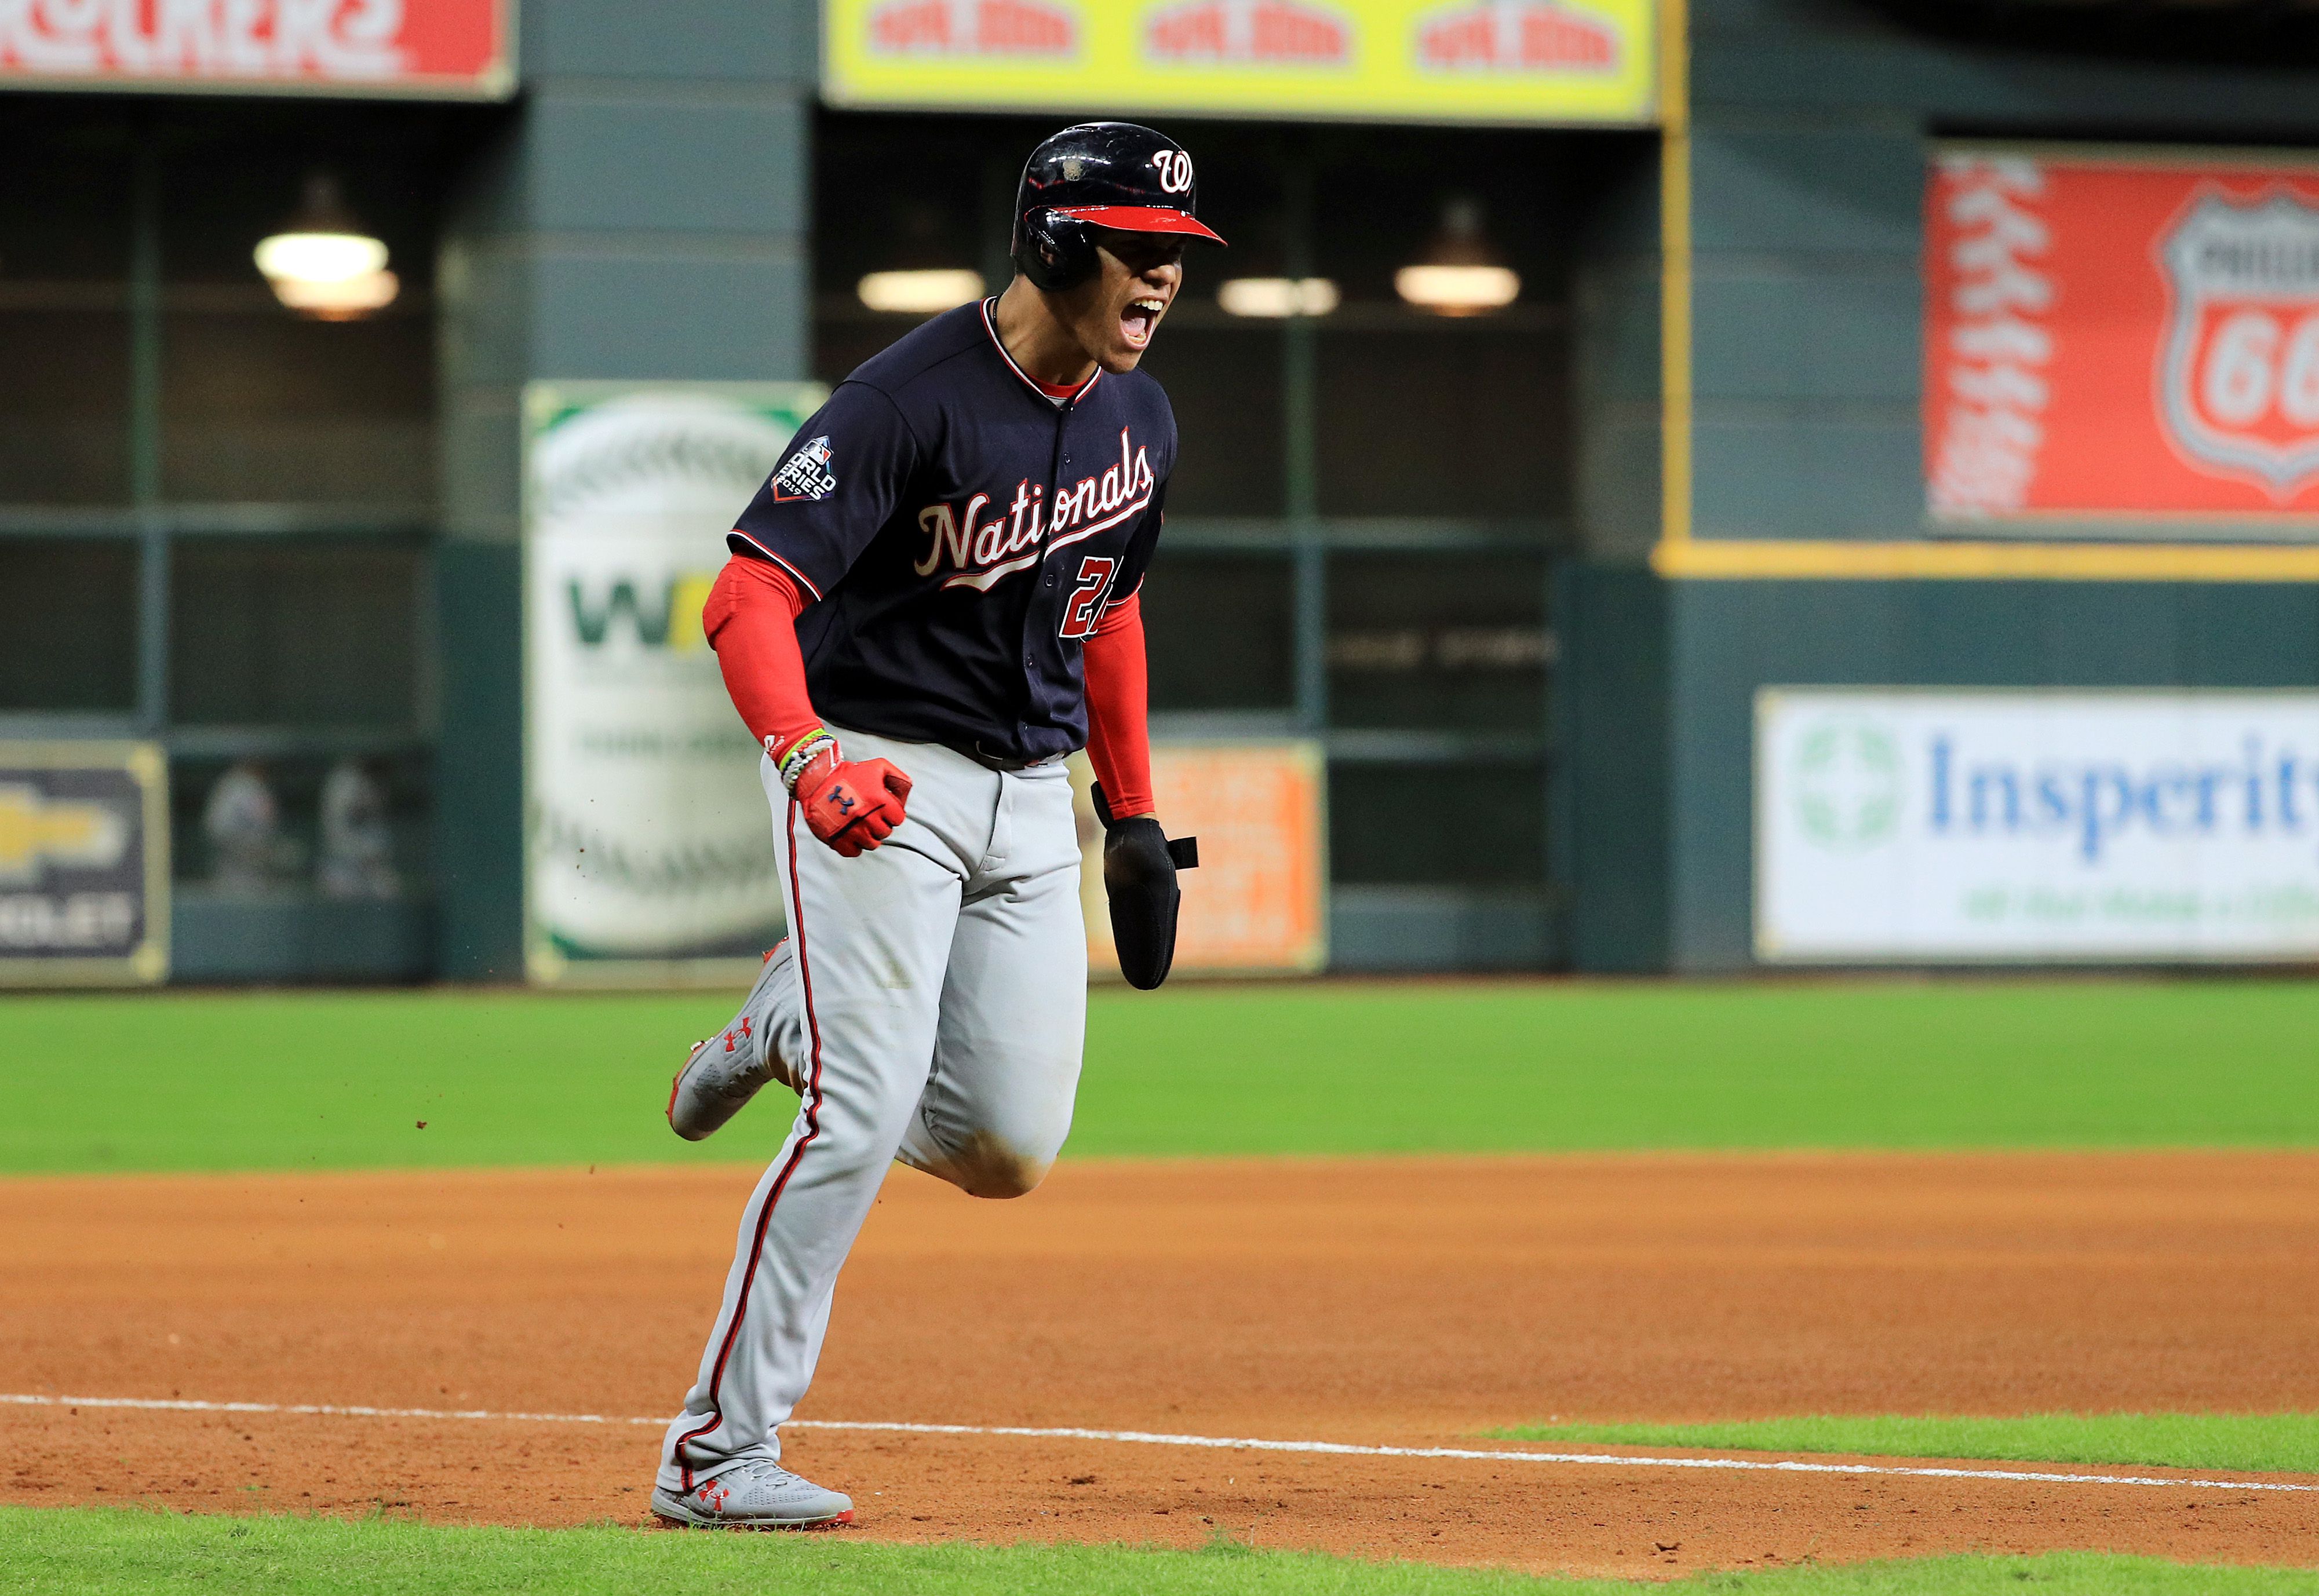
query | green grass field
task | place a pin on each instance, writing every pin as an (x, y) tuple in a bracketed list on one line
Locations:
[(2238, 1442), (340, 1080), (128, 1553), (324, 1080)]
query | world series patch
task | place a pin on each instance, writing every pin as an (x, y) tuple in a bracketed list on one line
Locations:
[(806, 474)]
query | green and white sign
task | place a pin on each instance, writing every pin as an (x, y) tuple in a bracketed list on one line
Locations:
[(2034, 825), (649, 843)]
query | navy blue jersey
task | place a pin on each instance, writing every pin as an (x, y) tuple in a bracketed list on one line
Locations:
[(957, 531)]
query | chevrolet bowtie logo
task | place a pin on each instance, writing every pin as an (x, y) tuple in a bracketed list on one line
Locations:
[(35, 832)]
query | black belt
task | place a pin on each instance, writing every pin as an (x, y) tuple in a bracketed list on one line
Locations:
[(996, 762)]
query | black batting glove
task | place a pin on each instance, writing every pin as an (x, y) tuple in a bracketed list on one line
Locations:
[(1139, 878)]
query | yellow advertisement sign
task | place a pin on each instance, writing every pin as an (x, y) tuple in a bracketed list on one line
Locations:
[(1537, 61), (1260, 901)]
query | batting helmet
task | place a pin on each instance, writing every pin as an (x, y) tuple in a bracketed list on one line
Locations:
[(1098, 175)]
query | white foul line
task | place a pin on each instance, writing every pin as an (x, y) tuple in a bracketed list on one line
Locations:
[(1155, 1438)]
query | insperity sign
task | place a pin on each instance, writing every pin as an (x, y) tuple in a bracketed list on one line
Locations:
[(648, 842), (432, 48), (1522, 61), (2101, 827)]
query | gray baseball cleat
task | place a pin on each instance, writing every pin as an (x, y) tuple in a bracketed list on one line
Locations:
[(755, 1494), (724, 1072)]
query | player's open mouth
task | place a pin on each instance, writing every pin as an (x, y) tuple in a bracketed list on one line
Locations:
[(1137, 321)]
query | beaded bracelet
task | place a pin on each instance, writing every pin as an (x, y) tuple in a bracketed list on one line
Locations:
[(792, 764)]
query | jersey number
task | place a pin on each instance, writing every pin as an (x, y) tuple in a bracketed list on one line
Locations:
[(1085, 606)]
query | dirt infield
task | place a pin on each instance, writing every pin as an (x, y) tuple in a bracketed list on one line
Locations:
[(1397, 1302)]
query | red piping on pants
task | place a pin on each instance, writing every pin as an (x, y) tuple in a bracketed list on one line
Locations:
[(765, 1215)]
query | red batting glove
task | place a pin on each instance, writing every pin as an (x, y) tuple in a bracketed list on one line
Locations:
[(852, 805)]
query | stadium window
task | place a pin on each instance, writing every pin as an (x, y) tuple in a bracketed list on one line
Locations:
[(1454, 641), (1219, 629), (64, 648), (64, 317), (307, 634), (214, 511)]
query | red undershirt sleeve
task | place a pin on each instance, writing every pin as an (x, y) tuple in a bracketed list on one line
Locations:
[(750, 621), (1118, 695)]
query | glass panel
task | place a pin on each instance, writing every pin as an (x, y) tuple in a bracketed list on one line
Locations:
[(259, 405), (1444, 420), (262, 405), (64, 395), (904, 192), (64, 322), (1219, 632), (1424, 415), (69, 641), (1225, 385), (1385, 198), (1372, 842), (67, 219), (1444, 641), (306, 634), (377, 843)]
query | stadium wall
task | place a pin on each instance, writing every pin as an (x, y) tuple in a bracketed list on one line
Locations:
[(1809, 132), (624, 221)]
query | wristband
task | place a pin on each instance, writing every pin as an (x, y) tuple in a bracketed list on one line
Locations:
[(802, 753)]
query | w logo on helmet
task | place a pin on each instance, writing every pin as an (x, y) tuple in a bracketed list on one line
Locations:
[(1175, 169)]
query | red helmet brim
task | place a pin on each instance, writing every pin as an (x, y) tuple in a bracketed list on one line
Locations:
[(1142, 219)]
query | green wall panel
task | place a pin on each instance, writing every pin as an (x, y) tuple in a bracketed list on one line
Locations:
[(1806, 469), (1615, 368), (1844, 187), (479, 771), (727, 164), (637, 314), (1785, 57), (1776, 329), (704, 41), (1610, 785)]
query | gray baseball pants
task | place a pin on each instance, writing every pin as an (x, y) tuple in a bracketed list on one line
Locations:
[(939, 1016)]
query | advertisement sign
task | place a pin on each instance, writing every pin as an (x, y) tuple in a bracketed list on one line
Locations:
[(2122, 336), (84, 864), (1933, 826), (648, 842), (1523, 61), (448, 49), (1258, 902)]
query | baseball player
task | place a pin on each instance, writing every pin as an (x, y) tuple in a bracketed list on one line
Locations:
[(930, 604)]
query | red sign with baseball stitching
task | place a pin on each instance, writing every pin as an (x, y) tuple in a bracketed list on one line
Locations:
[(2121, 336), (460, 48)]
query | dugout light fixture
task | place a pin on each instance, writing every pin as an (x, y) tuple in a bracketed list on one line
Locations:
[(323, 263), (1461, 274), (919, 293), (1277, 297)]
